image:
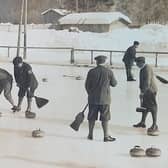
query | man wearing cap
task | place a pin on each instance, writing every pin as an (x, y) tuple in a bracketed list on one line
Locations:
[(6, 80), (148, 91), (26, 81), (98, 82), (129, 58)]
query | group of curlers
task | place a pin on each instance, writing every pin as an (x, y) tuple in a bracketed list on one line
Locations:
[(97, 84), (99, 80)]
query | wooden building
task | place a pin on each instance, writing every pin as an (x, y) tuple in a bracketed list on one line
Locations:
[(95, 21), (53, 15)]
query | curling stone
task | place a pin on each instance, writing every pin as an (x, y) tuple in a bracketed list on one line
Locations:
[(37, 133), (29, 114), (78, 77), (152, 132), (137, 151), (153, 152), (44, 80)]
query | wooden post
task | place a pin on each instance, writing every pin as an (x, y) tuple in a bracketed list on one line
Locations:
[(72, 56), (25, 30), (8, 52), (156, 60), (91, 56), (111, 57), (19, 30)]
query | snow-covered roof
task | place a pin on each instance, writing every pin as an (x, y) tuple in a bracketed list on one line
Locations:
[(93, 18), (62, 12)]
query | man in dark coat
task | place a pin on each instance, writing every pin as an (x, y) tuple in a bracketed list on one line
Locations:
[(26, 81), (6, 80), (148, 91), (129, 58), (98, 82)]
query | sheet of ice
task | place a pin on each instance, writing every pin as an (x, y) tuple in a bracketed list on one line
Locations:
[(62, 147)]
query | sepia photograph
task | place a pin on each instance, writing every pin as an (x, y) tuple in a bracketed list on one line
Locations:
[(83, 83)]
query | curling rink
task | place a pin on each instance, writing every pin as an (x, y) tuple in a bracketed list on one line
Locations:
[(62, 147)]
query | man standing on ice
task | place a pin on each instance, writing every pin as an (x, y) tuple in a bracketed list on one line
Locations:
[(6, 80), (128, 59), (98, 82), (26, 81), (148, 93)]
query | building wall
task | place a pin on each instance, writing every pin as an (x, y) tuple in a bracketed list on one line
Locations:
[(96, 27), (51, 17), (91, 28), (116, 24)]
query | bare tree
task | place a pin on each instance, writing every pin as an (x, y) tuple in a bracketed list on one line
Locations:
[(140, 11), (77, 5)]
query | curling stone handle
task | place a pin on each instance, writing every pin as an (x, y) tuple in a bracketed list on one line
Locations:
[(136, 146)]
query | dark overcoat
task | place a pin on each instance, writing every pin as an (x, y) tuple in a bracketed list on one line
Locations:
[(24, 76), (98, 82), (129, 56), (147, 80)]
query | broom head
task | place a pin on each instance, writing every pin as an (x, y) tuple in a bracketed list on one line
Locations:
[(77, 122), (40, 102)]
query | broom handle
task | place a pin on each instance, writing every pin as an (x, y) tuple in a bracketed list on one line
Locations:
[(161, 79), (69, 75), (85, 108), (141, 101)]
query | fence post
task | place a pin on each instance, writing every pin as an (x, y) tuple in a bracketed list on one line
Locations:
[(72, 56), (156, 60), (111, 57), (91, 56), (8, 52)]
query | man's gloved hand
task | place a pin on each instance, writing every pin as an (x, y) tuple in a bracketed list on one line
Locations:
[(141, 98), (28, 89), (17, 84), (141, 95)]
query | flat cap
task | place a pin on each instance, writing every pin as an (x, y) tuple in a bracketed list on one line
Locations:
[(136, 42), (140, 59), (17, 60), (100, 59)]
